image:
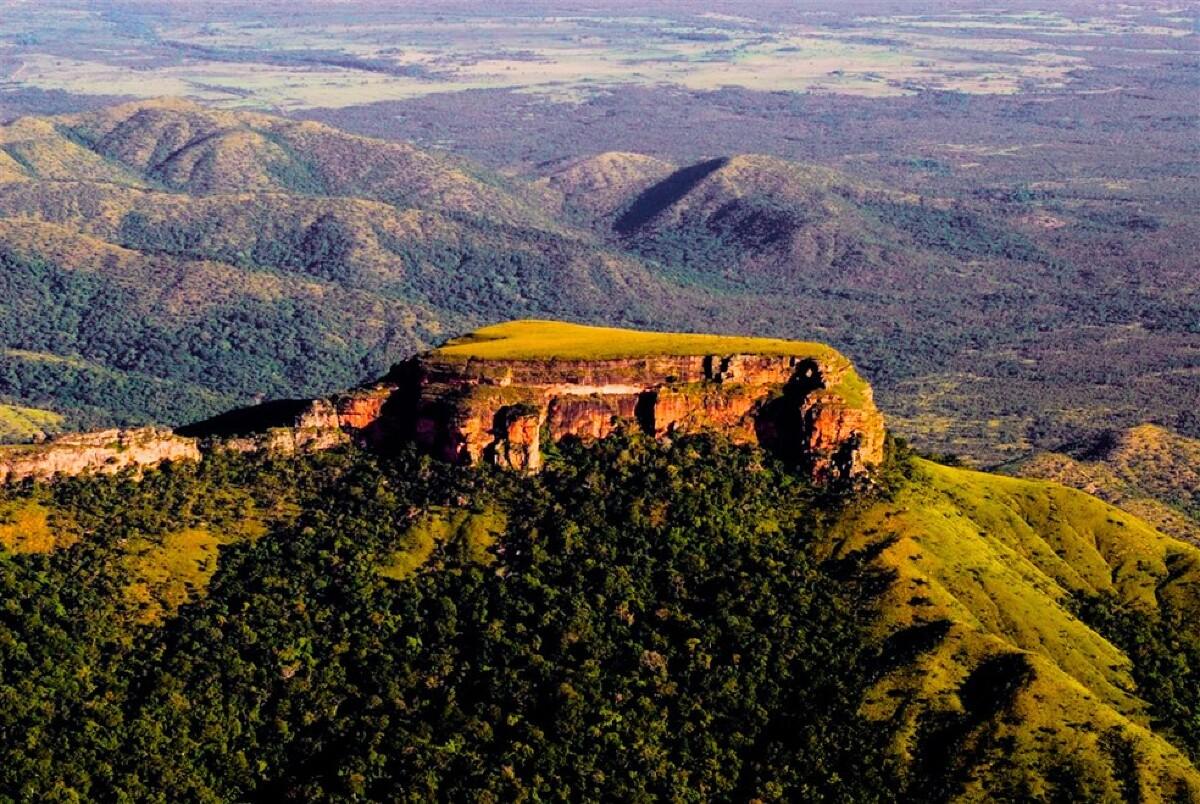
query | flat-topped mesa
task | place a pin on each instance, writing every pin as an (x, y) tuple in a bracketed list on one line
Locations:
[(494, 395)]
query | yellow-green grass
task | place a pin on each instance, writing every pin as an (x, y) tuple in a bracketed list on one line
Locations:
[(28, 526), (478, 531), (164, 570), (47, 357), (996, 559), (1146, 470), (170, 570), (531, 339), (21, 424)]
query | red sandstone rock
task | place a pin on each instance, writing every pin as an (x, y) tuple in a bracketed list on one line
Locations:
[(359, 409), (518, 443), (474, 410)]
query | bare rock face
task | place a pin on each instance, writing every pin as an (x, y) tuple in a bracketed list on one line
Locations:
[(519, 439), (285, 427), (801, 401), (476, 410), (106, 451)]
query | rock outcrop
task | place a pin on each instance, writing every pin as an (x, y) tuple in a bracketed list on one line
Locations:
[(499, 395), (476, 410), (287, 426), (106, 451)]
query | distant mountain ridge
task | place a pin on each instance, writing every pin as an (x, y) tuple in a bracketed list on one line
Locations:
[(760, 220), (240, 254), (167, 261), (1147, 470)]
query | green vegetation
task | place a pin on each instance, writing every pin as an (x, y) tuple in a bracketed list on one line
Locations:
[(228, 275), (21, 424), (27, 526), (958, 232), (650, 623), (124, 368), (477, 531), (639, 621), (1165, 649), (987, 574), (534, 340)]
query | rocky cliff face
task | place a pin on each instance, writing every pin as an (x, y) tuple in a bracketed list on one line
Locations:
[(475, 410), (468, 409), (302, 426), (105, 451)]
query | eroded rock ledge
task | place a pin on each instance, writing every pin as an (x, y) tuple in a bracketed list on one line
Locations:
[(474, 410), (498, 395), (103, 451)]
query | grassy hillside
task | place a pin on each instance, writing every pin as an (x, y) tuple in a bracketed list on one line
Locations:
[(639, 620), (985, 579), (1147, 470), (23, 424), (179, 146)]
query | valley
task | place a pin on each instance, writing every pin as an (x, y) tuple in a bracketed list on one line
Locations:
[(250, 256), (694, 401)]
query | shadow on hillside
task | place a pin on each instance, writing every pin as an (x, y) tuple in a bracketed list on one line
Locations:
[(655, 199), (244, 421)]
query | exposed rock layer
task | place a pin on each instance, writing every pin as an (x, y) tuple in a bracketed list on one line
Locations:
[(473, 410), (105, 451)]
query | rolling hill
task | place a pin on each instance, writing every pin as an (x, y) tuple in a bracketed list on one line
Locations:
[(170, 261), (1148, 471), (995, 663), (181, 260), (763, 222)]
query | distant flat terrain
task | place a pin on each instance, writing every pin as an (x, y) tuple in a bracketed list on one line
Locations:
[(307, 55), (992, 213)]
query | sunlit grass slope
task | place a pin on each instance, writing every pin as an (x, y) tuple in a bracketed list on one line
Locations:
[(19, 423), (174, 568), (29, 526), (1149, 471), (479, 530), (982, 572), (546, 340)]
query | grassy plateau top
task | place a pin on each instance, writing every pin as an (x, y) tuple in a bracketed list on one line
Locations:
[(531, 339)]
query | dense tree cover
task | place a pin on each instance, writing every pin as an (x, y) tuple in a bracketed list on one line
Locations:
[(653, 625), (960, 232), (1165, 649), (123, 367)]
